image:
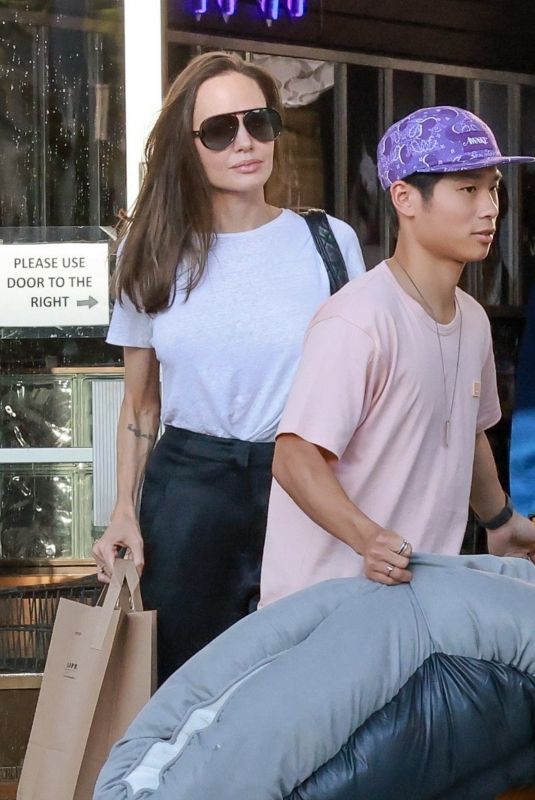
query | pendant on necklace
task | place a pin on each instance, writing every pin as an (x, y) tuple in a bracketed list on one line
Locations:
[(447, 433)]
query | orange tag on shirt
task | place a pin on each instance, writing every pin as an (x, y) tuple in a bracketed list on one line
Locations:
[(476, 389)]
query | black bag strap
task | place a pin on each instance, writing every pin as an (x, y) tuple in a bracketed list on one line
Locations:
[(327, 247)]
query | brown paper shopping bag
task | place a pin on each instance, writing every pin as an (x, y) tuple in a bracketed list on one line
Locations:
[(99, 673)]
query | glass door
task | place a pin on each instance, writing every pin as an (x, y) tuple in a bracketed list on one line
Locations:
[(63, 180)]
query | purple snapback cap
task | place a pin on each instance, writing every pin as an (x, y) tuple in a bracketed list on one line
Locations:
[(438, 139)]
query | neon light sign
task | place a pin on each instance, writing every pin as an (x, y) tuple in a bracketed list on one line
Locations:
[(270, 10)]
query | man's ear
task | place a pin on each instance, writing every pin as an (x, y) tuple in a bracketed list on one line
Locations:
[(404, 199)]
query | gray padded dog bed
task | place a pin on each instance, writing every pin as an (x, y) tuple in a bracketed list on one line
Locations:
[(350, 690)]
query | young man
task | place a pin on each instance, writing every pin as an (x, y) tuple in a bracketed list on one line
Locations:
[(382, 445)]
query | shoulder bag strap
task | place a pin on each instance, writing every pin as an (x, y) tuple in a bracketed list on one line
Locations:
[(327, 246)]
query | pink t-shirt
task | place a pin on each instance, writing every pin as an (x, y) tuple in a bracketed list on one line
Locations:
[(370, 389)]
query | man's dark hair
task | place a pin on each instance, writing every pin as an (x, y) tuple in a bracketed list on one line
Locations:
[(425, 182)]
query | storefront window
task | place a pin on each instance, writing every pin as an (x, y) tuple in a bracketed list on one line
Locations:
[(61, 113), (62, 180)]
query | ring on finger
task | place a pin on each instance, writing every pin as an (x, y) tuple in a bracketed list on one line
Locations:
[(403, 547), (389, 569)]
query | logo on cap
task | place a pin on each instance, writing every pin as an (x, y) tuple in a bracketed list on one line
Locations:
[(477, 140)]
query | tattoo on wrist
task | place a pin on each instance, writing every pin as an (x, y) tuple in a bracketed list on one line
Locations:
[(138, 433)]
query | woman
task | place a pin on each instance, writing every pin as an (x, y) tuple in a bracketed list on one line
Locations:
[(217, 287)]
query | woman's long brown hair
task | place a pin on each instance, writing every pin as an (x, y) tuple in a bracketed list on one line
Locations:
[(171, 228)]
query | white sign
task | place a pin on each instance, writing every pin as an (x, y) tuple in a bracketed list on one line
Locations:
[(54, 285)]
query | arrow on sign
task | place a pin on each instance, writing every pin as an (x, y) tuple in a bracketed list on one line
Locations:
[(90, 302)]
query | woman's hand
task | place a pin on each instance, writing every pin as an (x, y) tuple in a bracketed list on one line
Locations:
[(122, 532)]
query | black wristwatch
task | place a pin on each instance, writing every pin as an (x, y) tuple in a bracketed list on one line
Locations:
[(501, 517)]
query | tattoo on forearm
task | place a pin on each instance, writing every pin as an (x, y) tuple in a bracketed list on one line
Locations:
[(138, 434)]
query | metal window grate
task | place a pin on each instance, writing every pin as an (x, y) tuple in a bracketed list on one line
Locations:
[(27, 616)]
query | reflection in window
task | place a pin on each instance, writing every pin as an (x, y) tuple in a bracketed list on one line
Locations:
[(62, 131), (35, 411), (36, 513)]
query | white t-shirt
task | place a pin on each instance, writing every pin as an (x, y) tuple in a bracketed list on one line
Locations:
[(229, 353), (370, 389)]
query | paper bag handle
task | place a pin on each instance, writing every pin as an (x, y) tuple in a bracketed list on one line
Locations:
[(124, 571), (118, 594)]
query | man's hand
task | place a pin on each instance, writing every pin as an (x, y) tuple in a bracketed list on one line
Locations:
[(515, 538), (304, 470), (386, 557)]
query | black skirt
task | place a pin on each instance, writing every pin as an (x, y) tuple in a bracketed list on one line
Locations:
[(203, 520)]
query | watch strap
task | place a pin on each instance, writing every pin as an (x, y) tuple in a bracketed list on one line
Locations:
[(500, 518)]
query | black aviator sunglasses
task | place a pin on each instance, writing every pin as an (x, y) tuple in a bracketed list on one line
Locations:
[(217, 133)]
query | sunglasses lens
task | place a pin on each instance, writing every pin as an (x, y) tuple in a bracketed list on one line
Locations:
[(264, 124), (216, 133)]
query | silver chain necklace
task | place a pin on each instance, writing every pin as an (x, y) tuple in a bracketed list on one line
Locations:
[(448, 409)]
